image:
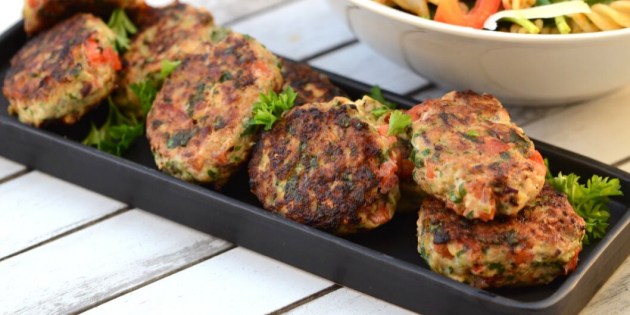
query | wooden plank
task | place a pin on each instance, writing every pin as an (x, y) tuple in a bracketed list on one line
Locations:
[(236, 282), (614, 296), (36, 207), (100, 262), (361, 63), (347, 301), (8, 168), (598, 129), (298, 29), (226, 11)]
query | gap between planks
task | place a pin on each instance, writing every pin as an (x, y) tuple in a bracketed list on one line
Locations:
[(258, 12), (306, 300), (68, 232), (158, 278), (14, 176)]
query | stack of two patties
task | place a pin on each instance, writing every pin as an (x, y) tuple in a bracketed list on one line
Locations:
[(490, 220)]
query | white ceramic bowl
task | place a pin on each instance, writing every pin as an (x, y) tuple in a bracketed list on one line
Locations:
[(520, 69)]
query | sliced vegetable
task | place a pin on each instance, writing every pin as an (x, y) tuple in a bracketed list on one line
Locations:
[(449, 11), (561, 22), (540, 12), (97, 55)]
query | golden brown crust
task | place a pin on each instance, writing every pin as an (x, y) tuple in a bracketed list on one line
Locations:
[(175, 32), (311, 86), (198, 125), (539, 244), (55, 76), (325, 165), (40, 15), (470, 155)]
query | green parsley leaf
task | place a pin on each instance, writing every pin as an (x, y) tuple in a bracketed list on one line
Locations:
[(120, 131), (146, 91), (377, 94), (271, 106), (122, 26), (117, 134), (589, 201), (168, 67), (398, 122), (380, 111)]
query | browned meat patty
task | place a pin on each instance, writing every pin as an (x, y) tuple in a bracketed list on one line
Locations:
[(310, 85), (411, 194), (41, 15), (198, 125), (179, 30), (469, 154), (62, 73), (537, 245), (326, 165)]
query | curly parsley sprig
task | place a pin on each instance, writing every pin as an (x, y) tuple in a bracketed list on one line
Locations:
[(122, 26), (589, 201), (271, 106), (117, 134), (121, 130)]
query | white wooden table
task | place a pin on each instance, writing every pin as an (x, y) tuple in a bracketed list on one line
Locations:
[(64, 249)]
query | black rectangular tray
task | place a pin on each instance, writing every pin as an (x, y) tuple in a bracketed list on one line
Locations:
[(382, 263)]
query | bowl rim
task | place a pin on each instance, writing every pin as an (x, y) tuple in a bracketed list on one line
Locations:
[(468, 32)]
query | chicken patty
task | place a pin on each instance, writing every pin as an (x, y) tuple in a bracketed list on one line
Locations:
[(411, 194), (468, 153), (41, 15), (180, 30), (310, 85), (539, 244), (63, 72), (326, 165), (198, 127)]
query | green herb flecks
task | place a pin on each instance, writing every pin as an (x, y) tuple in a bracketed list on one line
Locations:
[(179, 139), (457, 196), (398, 122), (271, 106), (225, 76), (589, 201), (122, 26)]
